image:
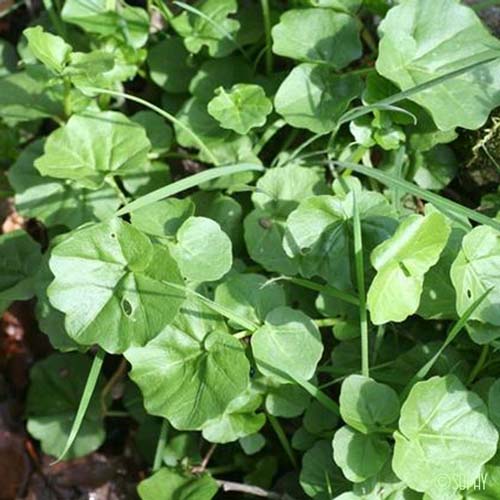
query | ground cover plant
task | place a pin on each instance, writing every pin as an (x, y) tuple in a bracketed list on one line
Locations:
[(250, 249)]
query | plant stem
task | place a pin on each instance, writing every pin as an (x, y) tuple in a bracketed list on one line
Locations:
[(360, 278), (256, 491), (117, 375), (165, 114), (162, 439), (324, 322), (479, 364), (280, 433), (266, 15), (378, 342)]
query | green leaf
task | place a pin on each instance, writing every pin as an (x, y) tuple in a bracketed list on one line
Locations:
[(318, 36), (402, 262), (314, 97), (57, 383), (320, 231), (20, 258), (366, 405), (50, 320), (319, 477), (475, 270), (318, 419), (285, 400), (128, 24), (287, 346), (110, 281), (435, 168), (239, 420), (340, 5), (170, 66), (241, 108), (214, 73), (51, 50), (26, 96), (158, 132), (202, 250), (444, 437), (53, 201), (360, 456), (170, 484), (91, 148), (192, 371), (494, 403), (253, 443), (417, 47), (163, 218), (250, 295), (212, 28)]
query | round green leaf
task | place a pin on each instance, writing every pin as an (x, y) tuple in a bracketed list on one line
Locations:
[(57, 384), (320, 478), (475, 270), (288, 346), (203, 251), (494, 403), (109, 280), (314, 97), (402, 262), (360, 456), (54, 201), (170, 484), (366, 405), (159, 133), (242, 108), (250, 296), (317, 35), (417, 46), (192, 371), (92, 147), (170, 66), (444, 437)]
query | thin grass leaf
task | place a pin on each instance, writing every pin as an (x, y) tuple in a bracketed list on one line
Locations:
[(360, 280), (187, 183), (318, 287), (455, 330), (218, 308), (162, 113), (160, 447), (280, 433), (406, 94), (94, 373), (452, 209)]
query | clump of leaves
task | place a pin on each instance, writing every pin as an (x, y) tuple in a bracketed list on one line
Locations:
[(266, 247)]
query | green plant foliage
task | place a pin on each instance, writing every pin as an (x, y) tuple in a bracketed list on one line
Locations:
[(199, 367), (416, 48), (167, 484), (101, 135), (367, 405), (402, 262), (441, 409), (54, 396), (287, 346), (243, 244), (241, 108), (475, 270), (116, 300), (316, 35)]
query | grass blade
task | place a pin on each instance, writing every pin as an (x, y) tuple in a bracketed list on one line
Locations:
[(160, 447), (90, 385), (360, 279), (455, 330), (406, 94), (318, 287), (280, 433), (187, 183), (161, 112), (451, 208)]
